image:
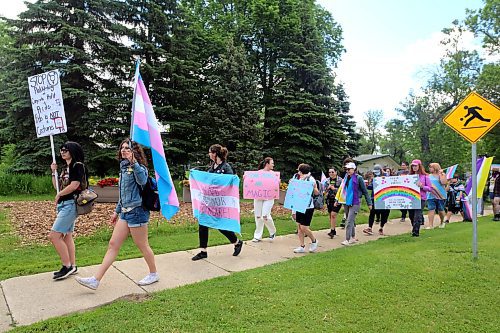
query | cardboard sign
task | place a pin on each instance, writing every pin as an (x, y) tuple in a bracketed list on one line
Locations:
[(298, 195), (47, 103), (398, 192), (261, 185)]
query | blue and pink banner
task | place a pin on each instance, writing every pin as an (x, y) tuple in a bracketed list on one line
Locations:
[(146, 132), (298, 195), (261, 185), (450, 171), (216, 200)]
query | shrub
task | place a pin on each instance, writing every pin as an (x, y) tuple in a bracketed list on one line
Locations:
[(16, 184)]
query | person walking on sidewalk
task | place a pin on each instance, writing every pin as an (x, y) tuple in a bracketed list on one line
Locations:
[(435, 199), (331, 186), (416, 215), (71, 179), (496, 196), (355, 188), (403, 172), (129, 215), (384, 213), (304, 219), (262, 208), (218, 156)]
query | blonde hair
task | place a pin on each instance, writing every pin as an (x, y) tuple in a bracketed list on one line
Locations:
[(435, 166)]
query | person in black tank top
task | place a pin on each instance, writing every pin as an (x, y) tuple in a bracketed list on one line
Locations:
[(218, 155)]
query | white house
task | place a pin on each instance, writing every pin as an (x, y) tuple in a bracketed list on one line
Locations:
[(366, 162)]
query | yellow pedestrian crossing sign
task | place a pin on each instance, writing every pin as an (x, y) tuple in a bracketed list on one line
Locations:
[(473, 117)]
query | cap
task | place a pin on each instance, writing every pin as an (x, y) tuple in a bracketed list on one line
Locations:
[(416, 162), (350, 165)]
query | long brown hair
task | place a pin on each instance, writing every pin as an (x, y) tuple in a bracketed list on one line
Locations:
[(421, 170), (219, 151), (136, 149), (263, 163)]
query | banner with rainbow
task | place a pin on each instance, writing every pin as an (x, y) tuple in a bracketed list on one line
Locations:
[(398, 192)]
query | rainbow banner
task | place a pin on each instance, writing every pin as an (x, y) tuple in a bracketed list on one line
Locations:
[(215, 200), (450, 171), (398, 192), (341, 196), (261, 185), (145, 131)]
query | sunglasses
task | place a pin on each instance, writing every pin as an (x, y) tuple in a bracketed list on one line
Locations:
[(63, 150), (331, 171)]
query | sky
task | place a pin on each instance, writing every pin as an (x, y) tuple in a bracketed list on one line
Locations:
[(391, 45)]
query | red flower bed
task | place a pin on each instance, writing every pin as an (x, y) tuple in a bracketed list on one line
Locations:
[(108, 182)]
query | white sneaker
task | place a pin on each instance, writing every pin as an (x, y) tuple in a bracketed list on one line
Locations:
[(352, 241), (313, 247), (255, 240), (89, 282), (427, 228), (272, 237), (346, 242), (442, 226), (300, 249), (149, 279)]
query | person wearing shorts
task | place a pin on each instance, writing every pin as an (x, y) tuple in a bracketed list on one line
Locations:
[(129, 216), (304, 219), (331, 186), (70, 180)]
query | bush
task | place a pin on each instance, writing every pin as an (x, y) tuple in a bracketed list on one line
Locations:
[(15, 184)]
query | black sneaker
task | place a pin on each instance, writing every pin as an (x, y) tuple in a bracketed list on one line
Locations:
[(332, 233), (237, 248), (201, 255), (75, 272), (64, 273)]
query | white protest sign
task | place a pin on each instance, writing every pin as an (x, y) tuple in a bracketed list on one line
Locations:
[(47, 103)]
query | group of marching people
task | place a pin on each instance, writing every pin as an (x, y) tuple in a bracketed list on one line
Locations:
[(130, 217)]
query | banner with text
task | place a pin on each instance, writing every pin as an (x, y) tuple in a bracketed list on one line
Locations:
[(298, 195), (47, 103), (398, 192), (215, 200), (261, 185)]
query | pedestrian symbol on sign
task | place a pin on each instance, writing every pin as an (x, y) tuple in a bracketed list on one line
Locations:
[(472, 111)]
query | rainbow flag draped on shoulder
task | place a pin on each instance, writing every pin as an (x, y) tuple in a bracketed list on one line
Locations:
[(341, 196), (216, 200), (145, 131)]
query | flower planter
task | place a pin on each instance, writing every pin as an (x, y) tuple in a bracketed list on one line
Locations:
[(107, 193), (281, 199), (186, 194)]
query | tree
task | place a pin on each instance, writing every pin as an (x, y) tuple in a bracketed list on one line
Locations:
[(485, 22), (371, 129), (395, 141)]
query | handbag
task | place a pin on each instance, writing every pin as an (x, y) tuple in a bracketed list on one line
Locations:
[(85, 200)]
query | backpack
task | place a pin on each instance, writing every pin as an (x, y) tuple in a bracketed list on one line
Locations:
[(149, 194), (318, 200)]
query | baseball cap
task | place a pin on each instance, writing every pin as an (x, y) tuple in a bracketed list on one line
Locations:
[(350, 165)]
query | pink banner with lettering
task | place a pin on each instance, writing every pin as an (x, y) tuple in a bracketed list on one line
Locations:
[(262, 185)]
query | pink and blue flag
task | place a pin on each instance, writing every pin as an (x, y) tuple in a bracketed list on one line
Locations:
[(450, 171), (145, 131), (216, 200), (323, 178)]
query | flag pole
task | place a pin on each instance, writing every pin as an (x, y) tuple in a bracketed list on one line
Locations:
[(136, 77)]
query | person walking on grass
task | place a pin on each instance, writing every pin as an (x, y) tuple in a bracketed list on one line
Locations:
[(262, 208), (416, 215), (304, 219), (129, 215), (384, 213), (403, 172), (71, 181), (218, 156), (331, 186), (435, 200), (355, 188)]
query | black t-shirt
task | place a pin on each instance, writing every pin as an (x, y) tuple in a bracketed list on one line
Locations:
[(70, 174), (224, 168)]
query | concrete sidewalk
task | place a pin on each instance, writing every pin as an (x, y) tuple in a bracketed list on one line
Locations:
[(29, 299)]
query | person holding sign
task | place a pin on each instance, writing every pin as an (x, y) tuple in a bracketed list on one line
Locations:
[(129, 215), (217, 155), (416, 215), (436, 198), (304, 219), (262, 208), (384, 213), (355, 188), (70, 180)]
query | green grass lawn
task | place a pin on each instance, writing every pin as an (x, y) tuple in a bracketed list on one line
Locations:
[(18, 260), (396, 284)]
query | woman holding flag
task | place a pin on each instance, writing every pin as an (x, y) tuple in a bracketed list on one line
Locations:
[(218, 155), (129, 216)]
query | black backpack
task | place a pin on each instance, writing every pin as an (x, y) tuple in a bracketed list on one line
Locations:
[(149, 194)]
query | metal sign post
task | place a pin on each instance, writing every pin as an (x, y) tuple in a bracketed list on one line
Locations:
[(474, 201)]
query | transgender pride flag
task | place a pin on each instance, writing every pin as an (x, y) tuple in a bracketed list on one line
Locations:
[(216, 200), (145, 131), (450, 171)]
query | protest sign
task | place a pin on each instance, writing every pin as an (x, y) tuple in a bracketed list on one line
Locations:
[(298, 195), (399, 192), (261, 185)]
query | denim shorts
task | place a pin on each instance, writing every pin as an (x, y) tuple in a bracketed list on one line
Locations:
[(433, 203), (66, 217), (137, 217)]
